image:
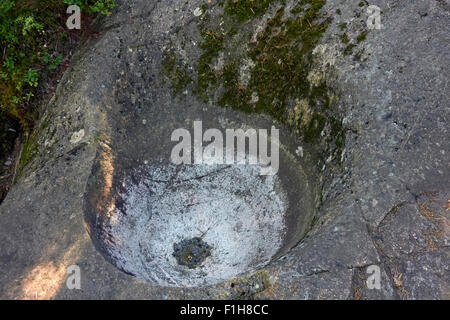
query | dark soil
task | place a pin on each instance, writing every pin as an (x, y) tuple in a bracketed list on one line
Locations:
[(192, 252)]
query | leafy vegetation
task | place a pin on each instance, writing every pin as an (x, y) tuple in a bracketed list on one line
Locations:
[(30, 31), (93, 6)]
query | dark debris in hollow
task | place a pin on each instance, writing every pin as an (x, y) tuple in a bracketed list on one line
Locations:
[(191, 253)]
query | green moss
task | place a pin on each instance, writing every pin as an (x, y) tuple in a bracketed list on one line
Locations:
[(362, 37), (337, 133), (245, 10), (350, 46), (297, 9), (204, 7), (232, 32), (175, 72), (338, 11), (169, 62), (345, 38), (313, 222), (264, 276), (315, 128), (206, 76), (28, 151), (181, 79), (281, 64), (319, 96), (349, 49), (234, 95)]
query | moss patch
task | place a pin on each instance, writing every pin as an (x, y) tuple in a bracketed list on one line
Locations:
[(212, 44), (270, 72), (175, 72), (28, 151), (362, 37), (345, 39), (249, 287), (281, 60), (350, 46), (245, 10), (349, 49)]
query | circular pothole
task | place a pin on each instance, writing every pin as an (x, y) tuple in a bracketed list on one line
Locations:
[(218, 221), (199, 224)]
